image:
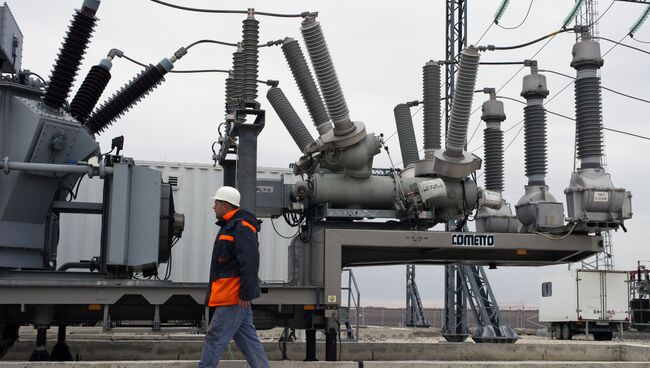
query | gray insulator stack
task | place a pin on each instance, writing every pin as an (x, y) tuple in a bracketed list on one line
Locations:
[(290, 118), (493, 115), (535, 143), (250, 39), (306, 85), (534, 91), (326, 75), (230, 93), (431, 109), (589, 128), (462, 102), (406, 134)]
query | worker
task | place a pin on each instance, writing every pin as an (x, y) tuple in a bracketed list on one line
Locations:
[(233, 283)]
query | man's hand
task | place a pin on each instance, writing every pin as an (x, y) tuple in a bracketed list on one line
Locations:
[(244, 303)]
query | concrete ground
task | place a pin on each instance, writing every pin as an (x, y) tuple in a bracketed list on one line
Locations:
[(378, 347)]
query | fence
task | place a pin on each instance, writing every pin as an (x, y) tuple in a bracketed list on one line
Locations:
[(515, 317)]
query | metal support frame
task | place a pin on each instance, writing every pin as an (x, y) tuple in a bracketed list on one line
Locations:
[(455, 328), (456, 41), (414, 311), (354, 301), (491, 327)]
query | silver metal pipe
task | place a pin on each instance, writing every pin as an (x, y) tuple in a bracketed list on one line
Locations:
[(7, 166)]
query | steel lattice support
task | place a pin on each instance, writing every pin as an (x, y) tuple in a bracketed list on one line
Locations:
[(456, 41), (455, 328), (414, 310), (491, 327)]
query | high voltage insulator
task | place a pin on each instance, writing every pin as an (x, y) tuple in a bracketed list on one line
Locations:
[(326, 75), (639, 22), (290, 118), (534, 91), (462, 102), (72, 51), (501, 10), (493, 115), (250, 39), (306, 85), (406, 134), (128, 96), (91, 89), (431, 105)]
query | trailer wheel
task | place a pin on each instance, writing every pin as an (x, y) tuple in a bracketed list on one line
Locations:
[(567, 333), (557, 331), (603, 336), (8, 335)]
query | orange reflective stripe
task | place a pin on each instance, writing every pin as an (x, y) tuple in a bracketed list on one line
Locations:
[(224, 291), (230, 214), (227, 237), (248, 224)]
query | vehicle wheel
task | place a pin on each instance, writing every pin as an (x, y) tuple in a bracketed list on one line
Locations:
[(557, 331), (567, 334), (603, 336)]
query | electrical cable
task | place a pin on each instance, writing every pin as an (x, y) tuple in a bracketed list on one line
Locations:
[(484, 33), (637, 40), (622, 44), (178, 71), (556, 237), (280, 235), (200, 71), (522, 22), (532, 57), (220, 11), (210, 41), (37, 76), (513, 47), (603, 87)]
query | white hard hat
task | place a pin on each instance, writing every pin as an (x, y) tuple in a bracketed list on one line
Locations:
[(228, 194)]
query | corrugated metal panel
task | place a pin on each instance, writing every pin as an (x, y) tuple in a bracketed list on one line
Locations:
[(197, 183)]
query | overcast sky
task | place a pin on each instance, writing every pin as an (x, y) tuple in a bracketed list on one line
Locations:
[(378, 48)]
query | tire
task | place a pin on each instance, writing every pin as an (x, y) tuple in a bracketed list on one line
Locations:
[(603, 336), (567, 333), (557, 331)]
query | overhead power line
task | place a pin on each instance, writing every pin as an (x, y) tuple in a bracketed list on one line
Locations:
[(225, 11), (530, 6)]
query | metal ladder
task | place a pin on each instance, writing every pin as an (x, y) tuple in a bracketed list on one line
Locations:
[(354, 300)]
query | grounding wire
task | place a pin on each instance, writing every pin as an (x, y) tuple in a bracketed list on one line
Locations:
[(224, 11), (522, 22)]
